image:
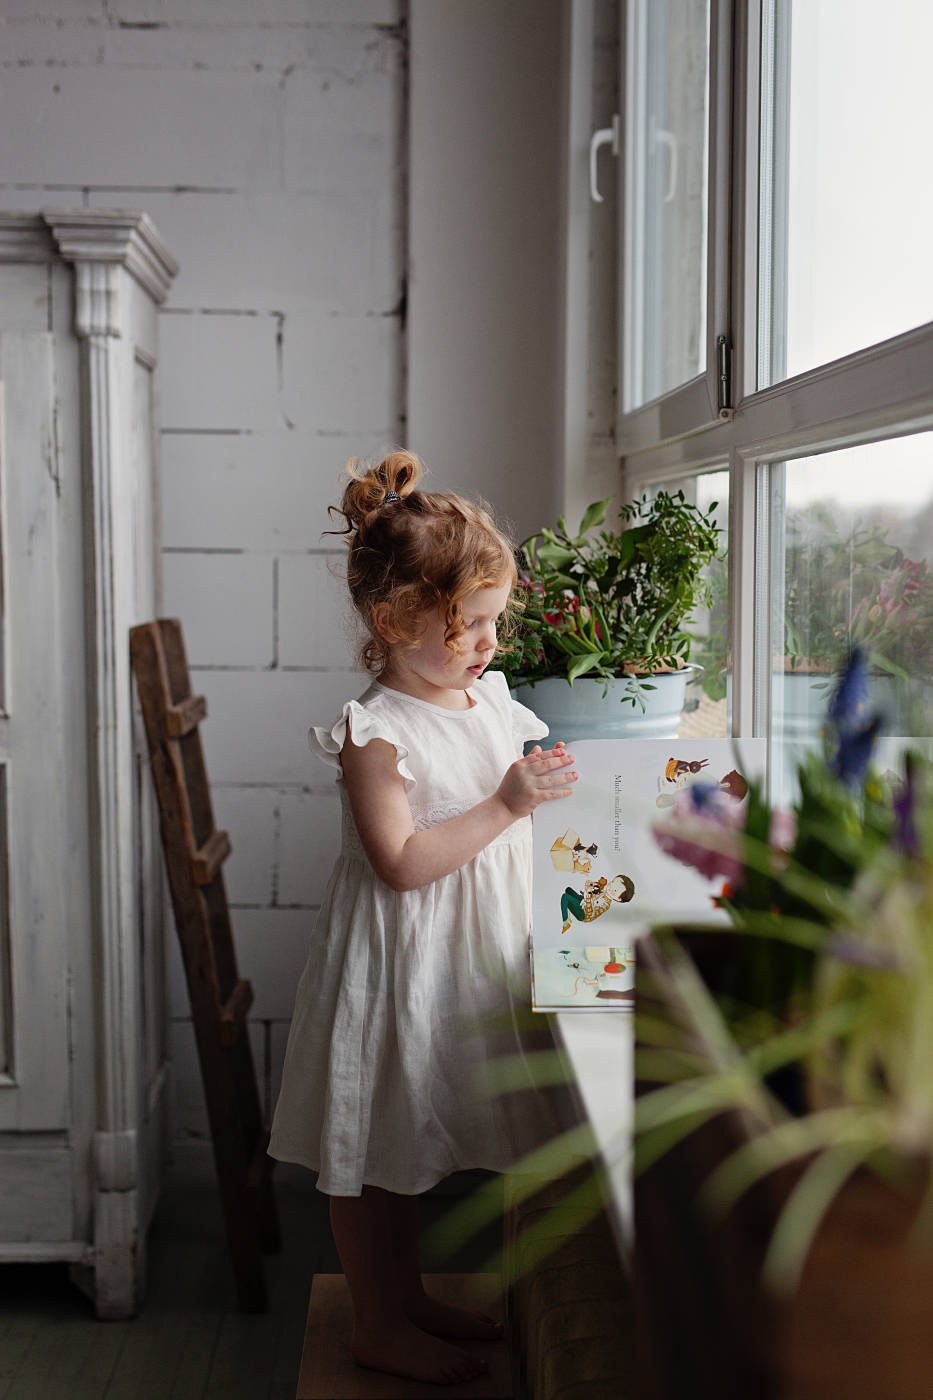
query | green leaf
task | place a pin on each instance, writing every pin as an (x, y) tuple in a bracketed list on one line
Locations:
[(573, 645), (804, 1210), (605, 631), (890, 667), (626, 546), (581, 664), (652, 637), (552, 1161), (556, 555), (594, 515)]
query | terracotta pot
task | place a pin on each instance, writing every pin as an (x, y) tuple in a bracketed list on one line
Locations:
[(859, 1324)]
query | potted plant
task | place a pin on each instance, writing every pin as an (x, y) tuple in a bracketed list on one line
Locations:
[(783, 1124), (784, 1128), (603, 644)]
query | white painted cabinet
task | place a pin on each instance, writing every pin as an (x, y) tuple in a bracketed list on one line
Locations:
[(83, 1069)]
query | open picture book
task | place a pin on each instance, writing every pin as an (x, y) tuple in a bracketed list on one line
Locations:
[(600, 878)]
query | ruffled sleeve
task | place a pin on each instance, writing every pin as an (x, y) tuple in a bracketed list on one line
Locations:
[(364, 725), (525, 723)]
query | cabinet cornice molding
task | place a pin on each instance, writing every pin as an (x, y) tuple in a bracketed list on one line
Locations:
[(97, 299), (118, 237), (24, 238)]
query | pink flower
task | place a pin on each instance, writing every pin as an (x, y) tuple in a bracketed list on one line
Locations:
[(703, 832), (782, 833), (704, 846)]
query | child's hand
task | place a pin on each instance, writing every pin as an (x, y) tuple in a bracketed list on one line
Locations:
[(536, 778)]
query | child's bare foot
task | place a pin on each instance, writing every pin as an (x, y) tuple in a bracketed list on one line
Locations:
[(405, 1350), (444, 1320)]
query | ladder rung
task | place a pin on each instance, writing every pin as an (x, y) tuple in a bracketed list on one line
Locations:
[(180, 719), (233, 1012), (207, 861)]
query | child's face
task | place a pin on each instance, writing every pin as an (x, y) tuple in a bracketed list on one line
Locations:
[(617, 889), (432, 667)]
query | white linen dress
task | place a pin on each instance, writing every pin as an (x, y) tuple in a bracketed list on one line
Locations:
[(405, 996)]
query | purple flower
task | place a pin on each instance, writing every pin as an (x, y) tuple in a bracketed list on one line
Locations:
[(856, 952), (703, 797), (850, 698), (854, 730), (905, 810)]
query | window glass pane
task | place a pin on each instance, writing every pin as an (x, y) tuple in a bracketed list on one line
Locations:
[(846, 194), (853, 564), (667, 165), (707, 713)]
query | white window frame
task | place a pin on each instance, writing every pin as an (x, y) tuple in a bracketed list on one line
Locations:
[(884, 390), (696, 404)]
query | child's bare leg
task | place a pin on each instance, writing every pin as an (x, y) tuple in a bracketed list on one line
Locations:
[(384, 1337), (440, 1319)]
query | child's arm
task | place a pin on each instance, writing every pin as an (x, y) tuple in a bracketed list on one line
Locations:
[(405, 858)]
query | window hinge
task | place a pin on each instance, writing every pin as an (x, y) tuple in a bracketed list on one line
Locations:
[(724, 408)]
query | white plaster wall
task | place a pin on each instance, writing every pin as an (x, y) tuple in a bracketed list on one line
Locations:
[(266, 140), (510, 388), (485, 240)]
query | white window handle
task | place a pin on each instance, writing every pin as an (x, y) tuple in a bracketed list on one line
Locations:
[(669, 141), (606, 136)]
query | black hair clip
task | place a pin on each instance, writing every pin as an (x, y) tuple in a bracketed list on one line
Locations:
[(391, 496)]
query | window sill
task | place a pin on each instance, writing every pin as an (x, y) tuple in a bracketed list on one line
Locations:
[(598, 1048)]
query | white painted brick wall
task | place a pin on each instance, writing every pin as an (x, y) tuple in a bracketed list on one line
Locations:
[(256, 731), (266, 142), (265, 492), (226, 602), (284, 12), (339, 254), (134, 126), (340, 369), (313, 597), (219, 371), (309, 838), (249, 815)]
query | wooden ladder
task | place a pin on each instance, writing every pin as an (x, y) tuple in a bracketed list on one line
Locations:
[(219, 997)]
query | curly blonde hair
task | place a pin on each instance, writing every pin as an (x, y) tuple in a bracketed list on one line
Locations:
[(415, 552)]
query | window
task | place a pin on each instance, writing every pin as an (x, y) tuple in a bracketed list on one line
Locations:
[(852, 564), (846, 197), (675, 224), (817, 382), (668, 172)]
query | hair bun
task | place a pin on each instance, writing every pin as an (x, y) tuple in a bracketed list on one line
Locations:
[(371, 486)]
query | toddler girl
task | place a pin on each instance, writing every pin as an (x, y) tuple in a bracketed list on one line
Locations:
[(421, 942)]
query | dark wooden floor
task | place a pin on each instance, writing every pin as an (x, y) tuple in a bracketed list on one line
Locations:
[(188, 1341)]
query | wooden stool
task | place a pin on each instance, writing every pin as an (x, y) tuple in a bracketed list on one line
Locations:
[(328, 1371)]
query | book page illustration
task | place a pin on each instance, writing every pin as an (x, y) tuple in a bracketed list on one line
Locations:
[(596, 860), (577, 977)]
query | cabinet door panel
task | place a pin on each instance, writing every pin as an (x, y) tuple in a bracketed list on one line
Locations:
[(34, 947)]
